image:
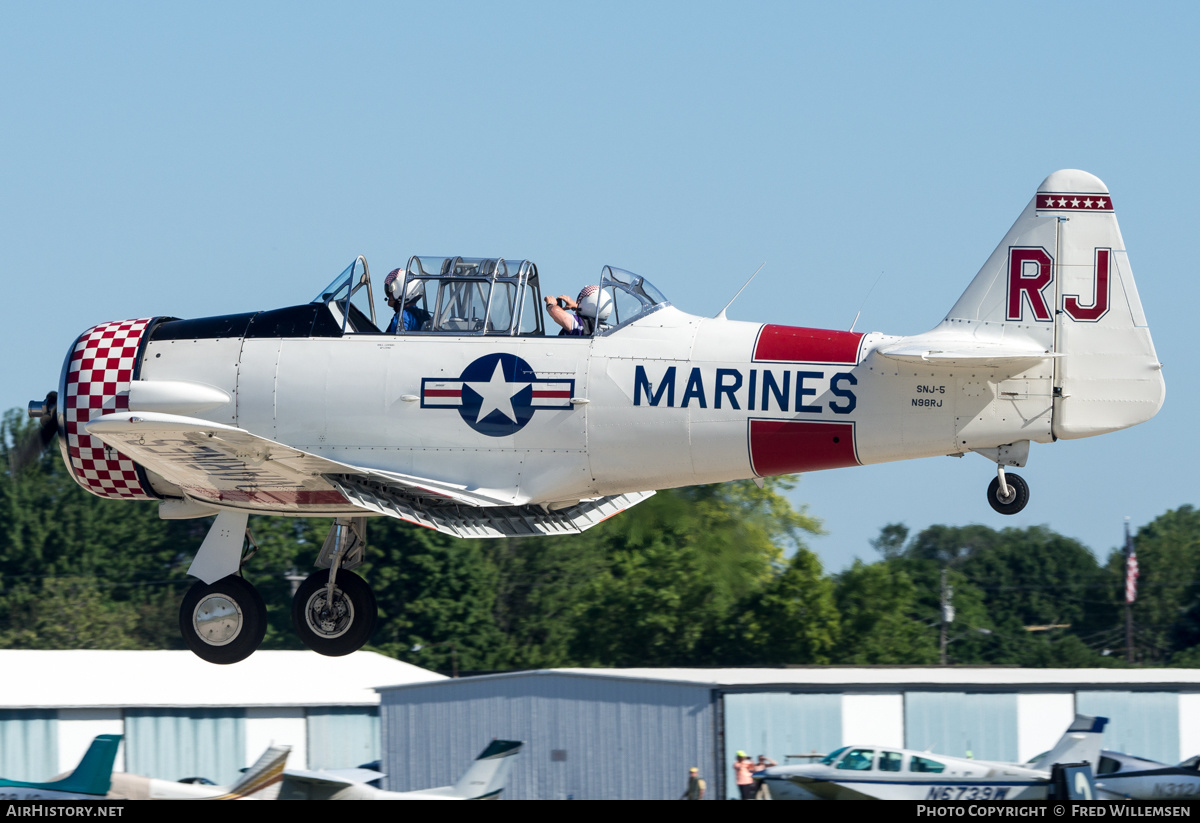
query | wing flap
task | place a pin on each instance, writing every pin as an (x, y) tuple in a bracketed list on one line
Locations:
[(496, 521)]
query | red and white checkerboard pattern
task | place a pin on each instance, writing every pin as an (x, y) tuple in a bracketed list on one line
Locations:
[(98, 378)]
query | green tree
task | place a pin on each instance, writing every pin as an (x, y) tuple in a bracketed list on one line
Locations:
[(437, 592), (1166, 614), (884, 620), (792, 620)]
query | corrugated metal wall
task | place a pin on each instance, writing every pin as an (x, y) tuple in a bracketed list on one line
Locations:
[(176, 743), (586, 738), (1144, 724), (778, 724), (342, 738), (28, 744), (962, 724)]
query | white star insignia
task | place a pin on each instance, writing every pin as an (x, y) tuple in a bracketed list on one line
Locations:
[(497, 395), (1087, 204), (1100, 204), (1062, 201), (1075, 203)]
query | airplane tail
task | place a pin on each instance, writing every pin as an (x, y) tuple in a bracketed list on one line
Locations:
[(262, 780), (488, 775), (93, 775), (1079, 744), (1057, 304)]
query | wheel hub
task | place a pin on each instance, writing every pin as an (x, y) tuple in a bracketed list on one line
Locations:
[(329, 620), (217, 620)]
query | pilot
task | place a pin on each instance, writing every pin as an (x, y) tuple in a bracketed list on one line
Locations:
[(414, 317), (579, 317)]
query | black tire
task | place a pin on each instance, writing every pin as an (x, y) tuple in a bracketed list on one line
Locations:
[(345, 628), (223, 622), (1018, 494)]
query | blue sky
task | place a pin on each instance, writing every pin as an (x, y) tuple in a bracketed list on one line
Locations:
[(192, 159)]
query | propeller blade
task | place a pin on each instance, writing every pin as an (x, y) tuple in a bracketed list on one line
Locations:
[(30, 447)]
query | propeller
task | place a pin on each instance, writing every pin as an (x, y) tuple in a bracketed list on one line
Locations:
[(31, 447)]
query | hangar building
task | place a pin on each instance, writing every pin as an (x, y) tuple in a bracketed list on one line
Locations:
[(633, 733), (182, 717)]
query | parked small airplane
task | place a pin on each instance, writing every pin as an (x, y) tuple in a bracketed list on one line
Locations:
[(1121, 775), (89, 781), (477, 423), (484, 780), (259, 782), (884, 773)]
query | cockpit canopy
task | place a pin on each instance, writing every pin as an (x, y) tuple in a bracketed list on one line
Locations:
[(349, 299), (474, 296)]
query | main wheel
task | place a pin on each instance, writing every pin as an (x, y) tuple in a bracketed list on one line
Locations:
[(1018, 494), (338, 628), (223, 622)]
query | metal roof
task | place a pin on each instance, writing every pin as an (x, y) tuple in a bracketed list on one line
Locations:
[(36, 679), (875, 677)]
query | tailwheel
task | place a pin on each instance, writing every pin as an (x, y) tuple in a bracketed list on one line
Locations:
[(1014, 500), (337, 625), (223, 622)]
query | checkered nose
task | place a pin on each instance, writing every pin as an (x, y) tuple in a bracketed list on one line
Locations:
[(103, 361)]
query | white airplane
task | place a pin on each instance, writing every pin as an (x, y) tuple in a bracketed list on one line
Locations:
[(478, 423), (89, 781), (885, 773), (259, 782), (484, 780), (1125, 776)]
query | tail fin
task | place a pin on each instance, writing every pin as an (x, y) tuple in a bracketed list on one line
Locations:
[(93, 775), (1060, 283), (262, 780), (488, 775), (1080, 743)]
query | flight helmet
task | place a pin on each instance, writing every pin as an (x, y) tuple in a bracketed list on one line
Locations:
[(391, 287), (594, 303)]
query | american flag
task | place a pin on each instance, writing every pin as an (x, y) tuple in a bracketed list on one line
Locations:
[(1131, 568)]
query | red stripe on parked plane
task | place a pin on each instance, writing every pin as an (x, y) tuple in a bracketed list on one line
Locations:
[(786, 446), (794, 344)]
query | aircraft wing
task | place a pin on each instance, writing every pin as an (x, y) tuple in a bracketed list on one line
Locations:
[(234, 468), (219, 463)]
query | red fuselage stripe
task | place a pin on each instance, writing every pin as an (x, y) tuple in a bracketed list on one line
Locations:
[(793, 344)]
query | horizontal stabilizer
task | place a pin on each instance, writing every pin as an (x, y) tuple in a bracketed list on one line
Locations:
[(964, 354), (496, 521), (336, 778)]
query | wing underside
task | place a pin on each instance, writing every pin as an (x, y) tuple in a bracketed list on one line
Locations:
[(228, 467)]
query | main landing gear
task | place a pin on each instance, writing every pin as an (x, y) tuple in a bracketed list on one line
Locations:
[(332, 616), (333, 610), (223, 622)]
